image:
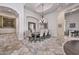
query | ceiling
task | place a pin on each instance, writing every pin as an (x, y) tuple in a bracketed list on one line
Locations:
[(37, 8), (47, 8), (8, 10)]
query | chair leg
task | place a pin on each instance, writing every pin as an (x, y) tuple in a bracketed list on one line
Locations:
[(39, 39), (31, 39)]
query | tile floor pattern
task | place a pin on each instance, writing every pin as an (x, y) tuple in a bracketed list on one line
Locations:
[(10, 45)]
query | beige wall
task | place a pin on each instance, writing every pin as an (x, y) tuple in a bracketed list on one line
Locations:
[(60, 30), (72, 18), (52, 23)]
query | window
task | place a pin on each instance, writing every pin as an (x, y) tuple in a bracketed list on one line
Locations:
[(6, 22)]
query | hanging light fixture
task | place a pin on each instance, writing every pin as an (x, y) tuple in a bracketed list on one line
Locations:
[(42, 14), (42, 10), (43, 19)]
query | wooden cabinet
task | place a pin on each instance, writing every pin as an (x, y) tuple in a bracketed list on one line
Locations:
[(1, 22), (6, 22)]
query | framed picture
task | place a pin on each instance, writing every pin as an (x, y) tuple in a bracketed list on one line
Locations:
[(72, 25), (59, 25)]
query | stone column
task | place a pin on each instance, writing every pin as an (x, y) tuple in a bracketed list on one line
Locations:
[(60, 28)]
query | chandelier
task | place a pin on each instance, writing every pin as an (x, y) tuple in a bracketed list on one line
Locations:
[(42, 14)]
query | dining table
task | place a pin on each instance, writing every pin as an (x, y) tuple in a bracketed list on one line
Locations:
[(34, 36), (71, 47)]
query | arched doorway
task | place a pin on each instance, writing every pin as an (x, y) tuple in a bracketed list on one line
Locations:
[(33, 23), (8, 20)]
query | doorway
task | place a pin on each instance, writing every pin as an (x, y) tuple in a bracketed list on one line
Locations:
[(31, 27)]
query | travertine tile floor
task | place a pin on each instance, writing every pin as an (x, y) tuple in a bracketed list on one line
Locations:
[(71, 38), (46, 47), (10, 45)]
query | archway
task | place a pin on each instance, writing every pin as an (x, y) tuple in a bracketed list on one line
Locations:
[(8, 22), (33, 21)]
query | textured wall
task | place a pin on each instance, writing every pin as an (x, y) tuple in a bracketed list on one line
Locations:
[(52, 23), (72, 18)]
